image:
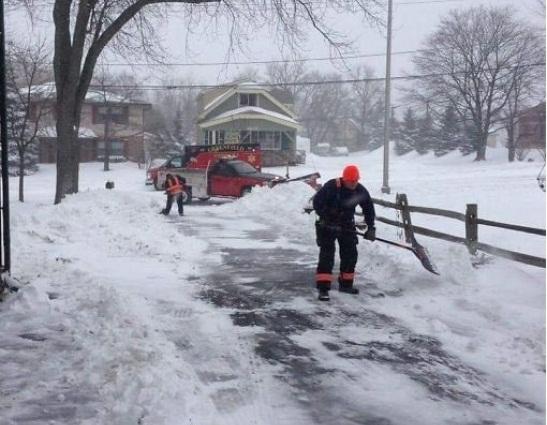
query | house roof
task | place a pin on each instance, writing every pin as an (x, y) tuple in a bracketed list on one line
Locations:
[(48, 90), (51, 131), (280, 97), (251, 112), (538, 109)]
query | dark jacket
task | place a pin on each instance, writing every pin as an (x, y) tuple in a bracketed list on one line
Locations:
[(335, 204)]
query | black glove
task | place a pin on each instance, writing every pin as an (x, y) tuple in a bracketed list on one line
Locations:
[(371, 234)]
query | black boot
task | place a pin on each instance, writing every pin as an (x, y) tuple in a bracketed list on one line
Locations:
[(347, 287), (323, 295)]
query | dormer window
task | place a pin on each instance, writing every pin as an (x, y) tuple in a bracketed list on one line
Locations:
[(248, 99)]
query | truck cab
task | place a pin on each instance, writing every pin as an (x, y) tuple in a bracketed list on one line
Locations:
[(174, 162), (236, 178)]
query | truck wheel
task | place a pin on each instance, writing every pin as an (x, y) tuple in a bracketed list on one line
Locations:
[(187, 196), (157, 185), (246, 191), (204, 199)]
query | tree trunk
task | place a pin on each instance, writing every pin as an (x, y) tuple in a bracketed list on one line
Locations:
[(21, 176), (68, 152), (481, 148), (511, 143), (22, 186), (106, 139)]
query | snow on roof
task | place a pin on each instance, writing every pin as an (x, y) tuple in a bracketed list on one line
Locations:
[(93, 95), (254, 109), (100, 96), (51, 131), (42, 90)]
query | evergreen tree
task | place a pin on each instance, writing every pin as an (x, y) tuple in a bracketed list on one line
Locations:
[(376, 136), (449, 136), (408, 133), (394, 129), (426, 139), (469, 139)]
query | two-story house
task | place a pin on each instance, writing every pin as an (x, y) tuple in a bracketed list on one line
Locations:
[(247, 112), (530, 128), (107, 120)]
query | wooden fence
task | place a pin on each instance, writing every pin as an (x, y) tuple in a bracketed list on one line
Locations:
[(472, 222)]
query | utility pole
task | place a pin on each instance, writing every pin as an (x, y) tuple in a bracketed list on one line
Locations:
[(387, 117), (5, 250), (106, 138)]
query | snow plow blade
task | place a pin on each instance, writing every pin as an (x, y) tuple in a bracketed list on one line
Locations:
[(310, 179)]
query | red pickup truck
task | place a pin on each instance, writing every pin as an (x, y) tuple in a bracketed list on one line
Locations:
[(225, 178), (220, 171), (202, 156)]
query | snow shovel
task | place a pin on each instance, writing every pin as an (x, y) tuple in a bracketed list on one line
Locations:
[(418, 250)]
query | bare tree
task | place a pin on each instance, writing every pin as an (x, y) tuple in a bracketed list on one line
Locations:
[(178, 108), (367, 105), (26, 68), (323, 105), (524, 88), (469, 63), (288, 76), (84, 28), (541, 7)]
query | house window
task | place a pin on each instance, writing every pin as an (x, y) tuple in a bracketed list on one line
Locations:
[(248, 136), (118, 114), (220, 137), (269, 140), (248, 99), (116, 150), (215, 137)]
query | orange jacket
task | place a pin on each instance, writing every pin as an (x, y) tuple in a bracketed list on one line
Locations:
[(173, 185)]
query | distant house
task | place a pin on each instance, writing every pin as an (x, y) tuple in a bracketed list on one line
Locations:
[(349, 134), (338, 132), (530, 128), (246, 112), (125, 127)]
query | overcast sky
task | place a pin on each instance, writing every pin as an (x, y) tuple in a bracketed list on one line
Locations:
[(413, 20)]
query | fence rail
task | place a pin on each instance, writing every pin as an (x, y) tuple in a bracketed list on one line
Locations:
[(472, 222)]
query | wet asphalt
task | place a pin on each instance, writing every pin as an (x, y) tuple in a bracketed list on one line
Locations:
[(257, 288)]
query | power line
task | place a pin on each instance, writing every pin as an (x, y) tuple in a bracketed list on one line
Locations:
[(152, 87), (263, 62), (266, 62)]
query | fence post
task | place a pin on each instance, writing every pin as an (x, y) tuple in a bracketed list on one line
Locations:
[(402, 203), (471, 228)]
